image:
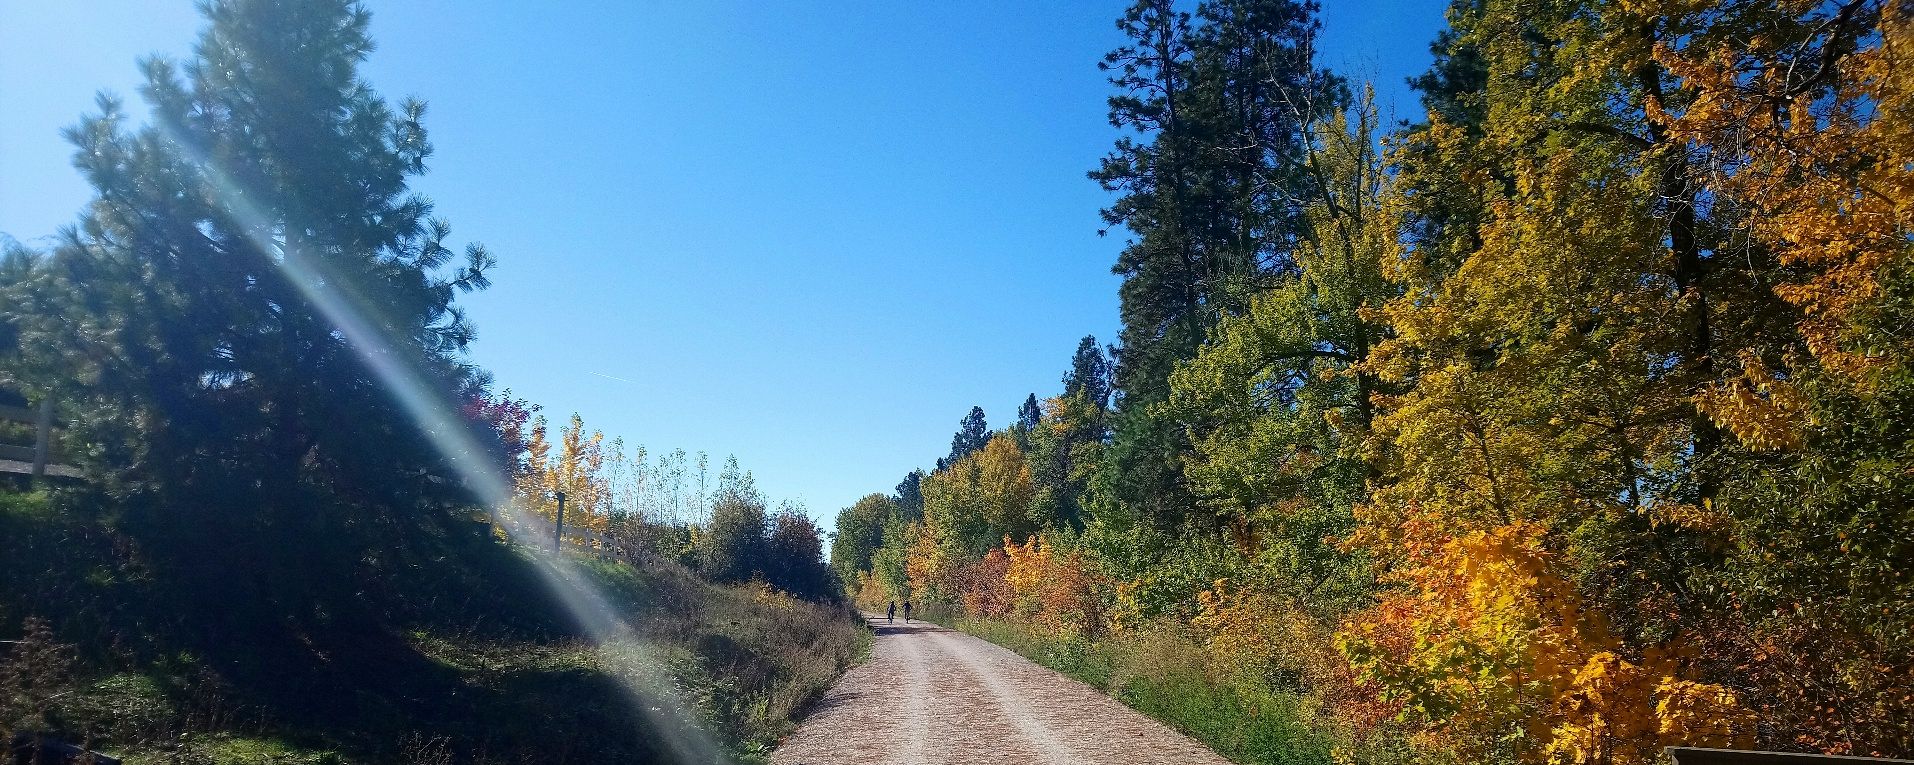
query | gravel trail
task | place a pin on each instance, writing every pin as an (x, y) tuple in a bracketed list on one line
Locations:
[(933, 696)]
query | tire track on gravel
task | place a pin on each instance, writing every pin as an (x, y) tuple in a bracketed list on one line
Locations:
[(932, 696), (1007, 703), (909, 726)]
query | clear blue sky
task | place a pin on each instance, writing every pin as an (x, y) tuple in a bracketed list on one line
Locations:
[(808, 234)]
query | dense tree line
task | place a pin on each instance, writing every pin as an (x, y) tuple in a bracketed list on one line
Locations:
[(1568, 422)]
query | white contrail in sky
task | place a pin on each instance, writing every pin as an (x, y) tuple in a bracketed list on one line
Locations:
[(610, 377)]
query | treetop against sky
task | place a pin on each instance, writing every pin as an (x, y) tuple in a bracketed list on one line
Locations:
[(813, 239)]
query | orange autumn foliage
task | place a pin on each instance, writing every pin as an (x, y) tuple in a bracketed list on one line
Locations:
[(1820, 148), (1058, 589), (986, 587), (1485, 636)]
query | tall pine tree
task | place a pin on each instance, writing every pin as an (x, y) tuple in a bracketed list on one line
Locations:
[(972, 433), (191, 316), (1209, 185)]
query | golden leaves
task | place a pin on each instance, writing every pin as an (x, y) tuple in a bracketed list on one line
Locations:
[(1488, 636), (1689, 713), (1056, 588), (1765, 412), (575, 469), (1617, 712), (1825, 167)]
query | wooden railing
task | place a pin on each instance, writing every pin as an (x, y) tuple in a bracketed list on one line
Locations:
[(1688, 755), (37, 456)]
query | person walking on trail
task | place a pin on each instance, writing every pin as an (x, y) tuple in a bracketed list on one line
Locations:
[(890, 614), (906, 612)]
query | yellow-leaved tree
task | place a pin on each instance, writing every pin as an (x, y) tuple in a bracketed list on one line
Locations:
[(1806, 111), (577, 468), (968, 506), (1550, 343)]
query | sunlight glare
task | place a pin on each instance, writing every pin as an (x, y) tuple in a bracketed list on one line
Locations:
[(639, 671)]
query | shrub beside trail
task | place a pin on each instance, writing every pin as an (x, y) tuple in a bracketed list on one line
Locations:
[(465, 661)]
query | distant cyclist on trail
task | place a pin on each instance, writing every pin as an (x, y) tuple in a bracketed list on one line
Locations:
[(890, 614), (906, 612)]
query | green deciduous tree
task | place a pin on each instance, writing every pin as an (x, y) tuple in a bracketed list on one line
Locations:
[(794, 557), (734, 547), (860, 531), (972, 505), (1275, 404)]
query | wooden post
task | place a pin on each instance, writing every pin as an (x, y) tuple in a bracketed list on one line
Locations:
[(558, 529), (1684, 755), (42, 435)]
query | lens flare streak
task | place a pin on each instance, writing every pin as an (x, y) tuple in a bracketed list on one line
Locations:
[(638, 670)]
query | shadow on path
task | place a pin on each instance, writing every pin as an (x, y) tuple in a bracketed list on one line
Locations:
[(902, 629)]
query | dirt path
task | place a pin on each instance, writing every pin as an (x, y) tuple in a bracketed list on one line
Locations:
[(931, 695)]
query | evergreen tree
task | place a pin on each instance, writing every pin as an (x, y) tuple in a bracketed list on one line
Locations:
[(18, 268), (1089, 375), (1209, 183), (1446, 215), (194, 314), (1162, 287), (1453, 88), (1210, 187), (1028, 416), (972, 433), (1067, 445), (910, 495)]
